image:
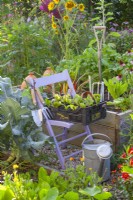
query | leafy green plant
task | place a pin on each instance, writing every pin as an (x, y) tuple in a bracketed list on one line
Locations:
[(30, 50), (51, 187), (17, 126), (95, 192), (72, 103), (103, 15), (115, 87), (5, 193)]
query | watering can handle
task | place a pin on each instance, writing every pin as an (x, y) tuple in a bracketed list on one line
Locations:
[(93, 134)]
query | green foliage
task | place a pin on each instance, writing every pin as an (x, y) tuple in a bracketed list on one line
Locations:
[(71, 195), (72, 103), (71, 185), (5, 193), (95, 192), (115, 87), (102, 11), (25, 47), (19, 129), (87, 63), (17, 125), (122, 12)]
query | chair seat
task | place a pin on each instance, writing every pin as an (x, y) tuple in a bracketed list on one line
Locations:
[(61, 123)]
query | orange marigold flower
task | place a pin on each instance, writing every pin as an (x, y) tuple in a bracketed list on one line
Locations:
[(71, 159), (66, 17), (69, 5), (51, 5), (82, 159), (131, 162), (113, 180), (81, 7), (125, 176), (130, 151), (54, 26), (56, 1), (124, 155)]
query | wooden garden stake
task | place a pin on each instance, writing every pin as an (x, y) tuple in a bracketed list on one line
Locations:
[(102, 30)]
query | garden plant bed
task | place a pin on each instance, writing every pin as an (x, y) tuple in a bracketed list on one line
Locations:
[(52, 163)]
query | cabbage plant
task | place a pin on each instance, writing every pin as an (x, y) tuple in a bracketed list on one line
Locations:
[(19, 135)]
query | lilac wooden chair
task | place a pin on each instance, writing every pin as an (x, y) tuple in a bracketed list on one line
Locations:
[(48, 80)]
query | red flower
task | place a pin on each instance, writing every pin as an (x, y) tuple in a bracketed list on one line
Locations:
[(125, 176), (124, 155), (131, 162), (130, 151)]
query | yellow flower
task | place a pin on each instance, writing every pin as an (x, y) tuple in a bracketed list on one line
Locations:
[(81, 7), (65, 17), (4, 173), (15, 166), (51, 5), (82, 159), (56, 1), (54, 26), (69, 5)]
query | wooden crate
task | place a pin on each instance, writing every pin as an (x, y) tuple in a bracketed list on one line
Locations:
[(109, 126)]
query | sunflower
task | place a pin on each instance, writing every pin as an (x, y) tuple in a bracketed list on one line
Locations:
[(65, 17), (81, 7), (69, 5), (51, 5), (54, 25), (56, 1)]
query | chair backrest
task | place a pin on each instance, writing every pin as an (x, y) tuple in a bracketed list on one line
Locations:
[(55, 78)]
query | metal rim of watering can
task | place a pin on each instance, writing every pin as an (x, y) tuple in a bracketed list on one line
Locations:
[(106, 149), (93, 134)]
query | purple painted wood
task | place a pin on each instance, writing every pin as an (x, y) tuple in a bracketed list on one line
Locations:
[(56, 78), (73, 138), (44, 81), (61, 123), (64, 137)]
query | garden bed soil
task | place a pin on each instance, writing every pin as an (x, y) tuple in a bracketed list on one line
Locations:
[(52, 163)]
